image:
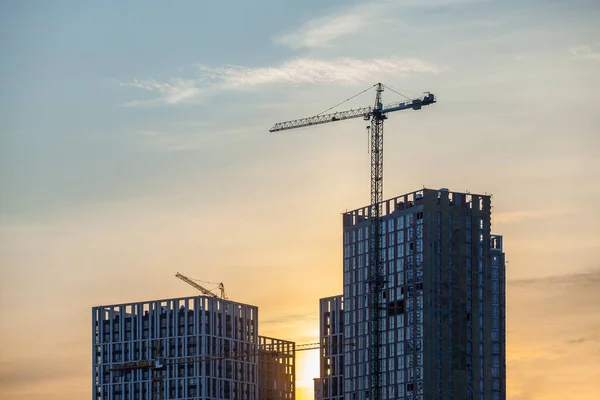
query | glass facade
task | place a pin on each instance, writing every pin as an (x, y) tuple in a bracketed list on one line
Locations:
[(402, 250), (443, 304)]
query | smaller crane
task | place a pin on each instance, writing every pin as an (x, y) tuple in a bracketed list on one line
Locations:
[(159, 364), (202, 289)]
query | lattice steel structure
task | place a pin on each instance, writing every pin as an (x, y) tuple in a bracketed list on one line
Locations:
[(376, 281)]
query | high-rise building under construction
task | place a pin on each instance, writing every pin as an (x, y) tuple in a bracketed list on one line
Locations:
[(443, 310), (199, 347)]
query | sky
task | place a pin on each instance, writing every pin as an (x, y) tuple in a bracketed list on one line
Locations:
[(134, 144)]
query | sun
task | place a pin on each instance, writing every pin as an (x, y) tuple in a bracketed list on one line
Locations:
[(307, 368)]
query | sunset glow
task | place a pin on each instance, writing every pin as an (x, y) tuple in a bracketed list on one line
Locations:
[(134, 144)]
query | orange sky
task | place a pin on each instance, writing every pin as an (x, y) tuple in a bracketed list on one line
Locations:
[(125, 158), (283, 262)]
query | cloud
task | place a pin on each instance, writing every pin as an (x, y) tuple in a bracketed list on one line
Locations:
[(321, 32), (303, 70), (518, 216), (585, 52), (566, 304), (578, 340), (174, 91), (298, 71), (324, 31), (589, 278)]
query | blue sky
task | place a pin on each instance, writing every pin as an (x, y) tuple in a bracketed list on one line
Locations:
[(134, 143), (71, 63)]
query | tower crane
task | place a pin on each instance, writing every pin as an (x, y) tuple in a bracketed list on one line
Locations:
[(376, 114), (202, 289)]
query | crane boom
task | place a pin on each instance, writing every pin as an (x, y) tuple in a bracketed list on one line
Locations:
[(376, 114), (197, 286), (365, 112), (158, 364), (161, 362), (321, 119), (259, 350)]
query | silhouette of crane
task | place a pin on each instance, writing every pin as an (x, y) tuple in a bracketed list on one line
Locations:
[(376, 114), (192, 282)]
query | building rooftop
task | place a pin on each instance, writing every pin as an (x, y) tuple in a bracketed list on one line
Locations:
[(416, 198)]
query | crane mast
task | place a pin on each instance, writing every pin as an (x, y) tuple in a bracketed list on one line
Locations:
[(376, 114), (376, 281)]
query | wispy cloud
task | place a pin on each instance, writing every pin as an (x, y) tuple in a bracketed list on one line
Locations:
[(321, 32), (581, 340), (318, 32), (343, 70), (582, 279), (324, 31), (175, 90), (518, 216), (298, 71), (585, 52)]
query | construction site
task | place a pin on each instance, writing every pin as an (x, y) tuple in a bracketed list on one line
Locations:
[(421, 314)]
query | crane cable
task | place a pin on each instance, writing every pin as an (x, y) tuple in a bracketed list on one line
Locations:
[(198, 280), (395, 91), (356, 95), (210, 283), (348, 99)]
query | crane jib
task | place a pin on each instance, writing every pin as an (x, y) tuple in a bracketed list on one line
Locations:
[(365, 112)]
